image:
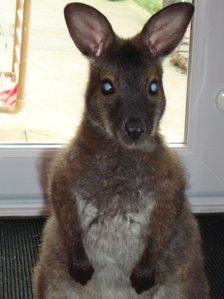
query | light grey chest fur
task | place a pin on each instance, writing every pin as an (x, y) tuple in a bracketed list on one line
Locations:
[(114, 243), (114, 239)]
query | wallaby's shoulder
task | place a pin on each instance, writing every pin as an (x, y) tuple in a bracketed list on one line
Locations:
[(168, 174)]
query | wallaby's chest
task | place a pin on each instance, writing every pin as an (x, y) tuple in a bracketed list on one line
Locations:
[(114, 236), (114, 183), (114, 205)]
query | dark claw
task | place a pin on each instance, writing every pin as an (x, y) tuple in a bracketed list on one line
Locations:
[(81, 271), (142, 279)]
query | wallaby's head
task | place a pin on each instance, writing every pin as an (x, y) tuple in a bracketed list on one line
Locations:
[(125, 96)]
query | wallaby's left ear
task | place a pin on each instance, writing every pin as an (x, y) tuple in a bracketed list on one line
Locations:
[(164, 30), (89, 29)]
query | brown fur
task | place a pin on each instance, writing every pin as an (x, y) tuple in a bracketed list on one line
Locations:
[(111, 173)]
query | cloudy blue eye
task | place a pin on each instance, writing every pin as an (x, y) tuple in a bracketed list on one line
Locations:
[(107, 87), (153, 87)]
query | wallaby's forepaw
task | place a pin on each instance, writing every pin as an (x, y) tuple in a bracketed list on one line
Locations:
[(142, 278), (81, 271)]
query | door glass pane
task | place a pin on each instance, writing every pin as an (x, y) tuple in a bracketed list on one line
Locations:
[(57, 72)]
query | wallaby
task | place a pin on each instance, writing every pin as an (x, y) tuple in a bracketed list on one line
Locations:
[(121, 226)]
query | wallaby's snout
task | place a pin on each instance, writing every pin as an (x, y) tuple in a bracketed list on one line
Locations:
[(134, 128)]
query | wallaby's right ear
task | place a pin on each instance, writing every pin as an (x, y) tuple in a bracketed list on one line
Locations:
[(165, 29), (89, 29)]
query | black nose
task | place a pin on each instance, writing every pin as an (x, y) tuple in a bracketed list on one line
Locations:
[(134, 128)]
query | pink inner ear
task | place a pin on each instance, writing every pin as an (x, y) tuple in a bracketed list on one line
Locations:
[(164, 30), (97, 36), (97, 49), (157, 44), (153, 45), (162, 39), (153, 50), (89, 29)]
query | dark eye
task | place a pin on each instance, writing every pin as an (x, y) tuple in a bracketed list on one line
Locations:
[(153, 87), (107, 87)]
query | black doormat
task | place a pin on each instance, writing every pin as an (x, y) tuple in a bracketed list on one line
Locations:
[(19, 240)]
